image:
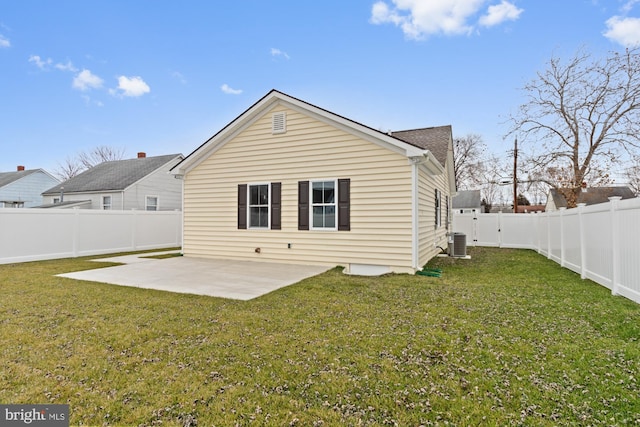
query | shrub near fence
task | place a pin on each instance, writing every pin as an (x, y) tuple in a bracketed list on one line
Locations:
[(600, 242), (35, 234)]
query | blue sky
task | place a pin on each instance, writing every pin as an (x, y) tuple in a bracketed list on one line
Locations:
[(162, 77)]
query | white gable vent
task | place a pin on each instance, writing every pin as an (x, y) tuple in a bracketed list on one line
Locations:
[(279, 122)]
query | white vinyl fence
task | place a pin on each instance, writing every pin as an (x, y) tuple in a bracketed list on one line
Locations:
[(600, 242), (38, 234)]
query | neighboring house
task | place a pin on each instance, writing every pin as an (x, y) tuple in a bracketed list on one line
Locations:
[(290, 182), (468, 201), (23, 188), (142, 183), (589, 196), (531, 208)]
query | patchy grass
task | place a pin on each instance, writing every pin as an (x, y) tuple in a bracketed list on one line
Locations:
[(164, 256), (506, 338)]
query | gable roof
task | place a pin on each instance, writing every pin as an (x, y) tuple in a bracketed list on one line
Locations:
[(414, 143), (592, 195), (435, 139), (7, 178), (115, 175)]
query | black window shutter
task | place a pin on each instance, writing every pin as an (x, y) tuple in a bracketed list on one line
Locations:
[(242, 206), (303, 205), (276, 206), (344, 204)]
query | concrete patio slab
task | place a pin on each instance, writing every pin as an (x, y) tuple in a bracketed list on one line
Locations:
[(242, 280)]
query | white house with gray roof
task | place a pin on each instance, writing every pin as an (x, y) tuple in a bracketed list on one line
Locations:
[(143, 183), (467, 201), (23, 188)]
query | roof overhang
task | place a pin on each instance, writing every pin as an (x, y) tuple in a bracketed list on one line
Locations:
[(427, 160), (275, 98)]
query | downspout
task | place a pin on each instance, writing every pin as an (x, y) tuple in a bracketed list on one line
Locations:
[(181, 238), (415, 210)]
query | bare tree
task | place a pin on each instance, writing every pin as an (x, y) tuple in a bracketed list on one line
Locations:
[(99, 155), (493, 171), (632, 174), (584, 115), (85, 160), (468, 153), (67, 169)]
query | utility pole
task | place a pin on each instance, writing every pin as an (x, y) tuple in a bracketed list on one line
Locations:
[(515, 176)]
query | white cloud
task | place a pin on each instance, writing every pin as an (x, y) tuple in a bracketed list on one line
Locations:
[(131, 86), (40, 63), (499, 13), (4, 42), (66, 67), (85, 80), (629, 5), (625, 31), (420, 18), (278, 52), (46, 64), (226, 89)]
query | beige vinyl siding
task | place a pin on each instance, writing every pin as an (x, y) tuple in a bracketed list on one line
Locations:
[(309, 150), (431, 236)]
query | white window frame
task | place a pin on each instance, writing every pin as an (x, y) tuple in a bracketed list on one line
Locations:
[(146, 203), (334, 204), (105, 206), (249, 206)]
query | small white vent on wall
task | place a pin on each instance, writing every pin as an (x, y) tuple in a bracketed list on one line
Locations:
[(279, 122)]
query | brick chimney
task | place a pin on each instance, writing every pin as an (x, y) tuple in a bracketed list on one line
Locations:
[(20, 168), (142, 155)]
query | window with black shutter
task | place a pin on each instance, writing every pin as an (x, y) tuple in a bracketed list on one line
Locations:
[(242, 206), (276, 206), (437, 204), (260, 206), (344, 204), (324, 205), (303, 205)]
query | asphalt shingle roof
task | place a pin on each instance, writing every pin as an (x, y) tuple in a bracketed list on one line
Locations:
[(112, 176), (435, 139), (7, 178), (592, 195)]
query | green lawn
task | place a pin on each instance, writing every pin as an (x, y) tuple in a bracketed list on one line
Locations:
[(506, 338)]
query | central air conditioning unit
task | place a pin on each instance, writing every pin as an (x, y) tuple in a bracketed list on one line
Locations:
[(457, 245)]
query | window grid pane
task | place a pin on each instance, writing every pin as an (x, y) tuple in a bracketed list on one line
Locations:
[(323, 200), (259, 206)]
